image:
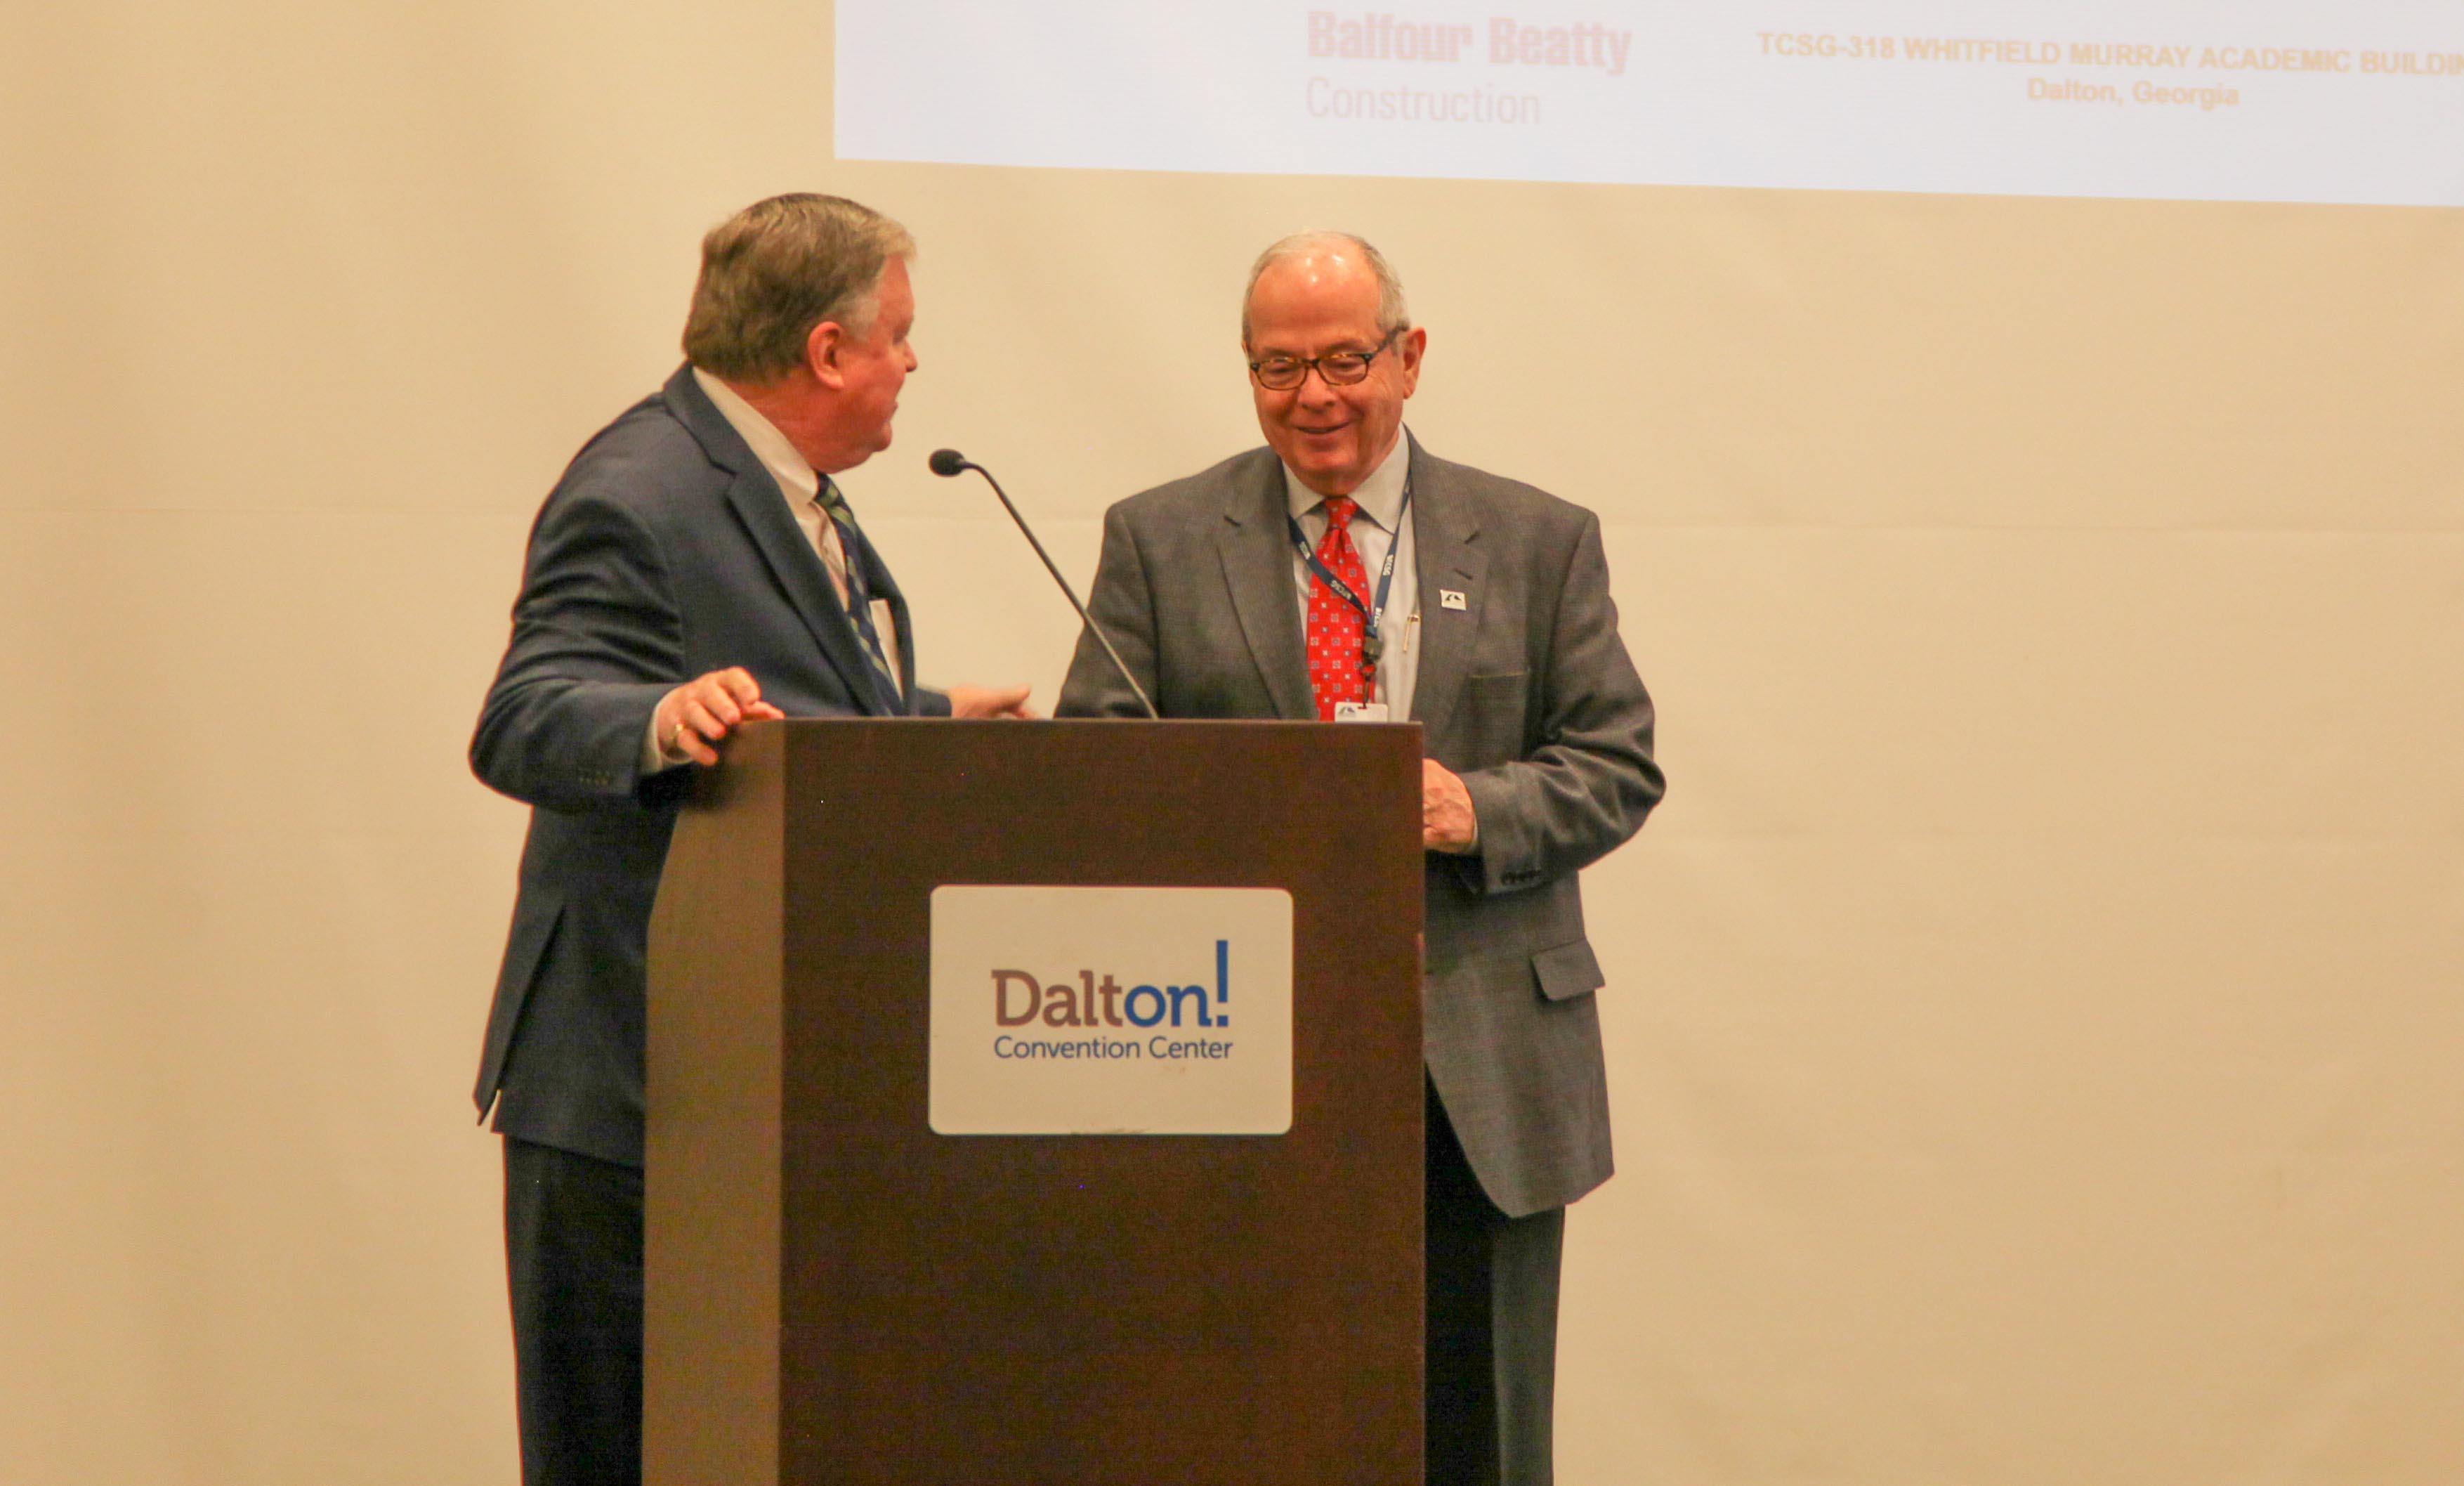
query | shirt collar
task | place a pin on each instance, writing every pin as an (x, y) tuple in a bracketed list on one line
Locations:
[(1380, 496), (790, 468)]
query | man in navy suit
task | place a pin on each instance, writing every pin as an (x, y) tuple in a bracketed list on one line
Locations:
[(696, 569)]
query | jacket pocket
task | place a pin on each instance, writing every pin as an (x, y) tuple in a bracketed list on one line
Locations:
[(1568, 971)]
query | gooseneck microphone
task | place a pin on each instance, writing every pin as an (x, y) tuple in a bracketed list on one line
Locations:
[(948, 463)]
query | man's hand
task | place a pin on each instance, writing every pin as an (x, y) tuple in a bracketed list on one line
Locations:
[(989, 701), (705, 709), (1446, 822)]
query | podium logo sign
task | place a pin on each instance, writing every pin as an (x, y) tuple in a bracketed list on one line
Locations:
[(1112, 1011)]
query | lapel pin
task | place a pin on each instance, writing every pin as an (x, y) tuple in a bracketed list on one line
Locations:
[(1448, 598)]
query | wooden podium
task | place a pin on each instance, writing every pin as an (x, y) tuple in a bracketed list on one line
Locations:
[(837, 1294)]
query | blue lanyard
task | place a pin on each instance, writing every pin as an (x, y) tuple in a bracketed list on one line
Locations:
[(1371, 646)]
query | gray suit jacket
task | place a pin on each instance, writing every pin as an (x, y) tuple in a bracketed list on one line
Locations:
[(1526, 692), (665, 551)]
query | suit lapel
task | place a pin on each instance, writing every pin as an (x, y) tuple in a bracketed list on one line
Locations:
[(1257, 568), (797, 568), (1446, 558), (762, 508)]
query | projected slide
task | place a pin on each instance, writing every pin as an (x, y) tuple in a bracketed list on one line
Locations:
[(2325, 100)]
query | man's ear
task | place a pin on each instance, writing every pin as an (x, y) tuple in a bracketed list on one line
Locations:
[(823, 344), (1409, 348)]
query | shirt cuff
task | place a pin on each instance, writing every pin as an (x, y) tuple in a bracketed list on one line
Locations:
[(655, 757)]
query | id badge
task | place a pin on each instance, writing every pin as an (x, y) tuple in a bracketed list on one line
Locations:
[(1360, 712)]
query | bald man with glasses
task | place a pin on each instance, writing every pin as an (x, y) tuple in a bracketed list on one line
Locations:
[(1345, 574)]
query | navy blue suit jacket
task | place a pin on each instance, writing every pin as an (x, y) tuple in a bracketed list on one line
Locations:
[(665, 551)]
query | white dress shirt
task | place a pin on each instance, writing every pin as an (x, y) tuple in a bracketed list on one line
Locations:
[(1380, 525)]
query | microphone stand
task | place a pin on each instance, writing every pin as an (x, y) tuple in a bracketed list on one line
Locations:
[(948, 463)]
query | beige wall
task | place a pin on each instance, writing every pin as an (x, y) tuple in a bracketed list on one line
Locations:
[(2032, 1018)]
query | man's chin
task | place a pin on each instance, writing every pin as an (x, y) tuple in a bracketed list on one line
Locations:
[(1321, 464)]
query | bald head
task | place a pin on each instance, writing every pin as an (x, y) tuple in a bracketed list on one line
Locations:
[(1326, 255), (1332, 355)]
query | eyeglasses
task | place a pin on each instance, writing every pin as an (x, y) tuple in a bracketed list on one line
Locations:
[(1336, 368)]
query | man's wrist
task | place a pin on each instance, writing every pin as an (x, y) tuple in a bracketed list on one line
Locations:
[(658, 746)]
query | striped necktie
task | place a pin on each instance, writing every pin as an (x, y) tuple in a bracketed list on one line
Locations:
[(853, 590)]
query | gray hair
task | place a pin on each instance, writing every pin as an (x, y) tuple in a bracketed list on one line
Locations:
[(1394, 316), (777, 269)]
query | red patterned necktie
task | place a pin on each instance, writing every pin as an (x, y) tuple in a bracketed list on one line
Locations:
[(1334, 627)]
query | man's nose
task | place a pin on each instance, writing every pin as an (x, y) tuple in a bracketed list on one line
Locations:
[(1315, 388)]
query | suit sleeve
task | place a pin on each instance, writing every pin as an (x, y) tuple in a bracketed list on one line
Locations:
[(1123, 604), (597, 641), (1586, 779)]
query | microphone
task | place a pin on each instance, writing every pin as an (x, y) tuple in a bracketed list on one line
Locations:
[(948, 463)]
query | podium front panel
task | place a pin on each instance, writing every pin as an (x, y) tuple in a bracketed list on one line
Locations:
[(988, 1309)]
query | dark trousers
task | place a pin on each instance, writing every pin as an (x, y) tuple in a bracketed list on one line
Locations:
[(573, 1252), (1493, 1327)]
